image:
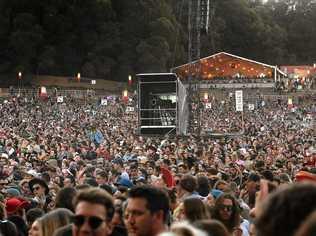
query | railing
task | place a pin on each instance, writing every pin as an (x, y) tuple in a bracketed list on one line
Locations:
[(53, 92)]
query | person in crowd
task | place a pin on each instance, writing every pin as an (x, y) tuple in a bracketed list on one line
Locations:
[(32, 215), (65, 197), (227, 211), (187, 187), (212, 227), (308, 226), (147, 211), (35, 229), (8, 228), (194, 209), (53, 220), (40, 190), (273, 217), (94, 209), (102, 177), (49, 141), (184, 229)]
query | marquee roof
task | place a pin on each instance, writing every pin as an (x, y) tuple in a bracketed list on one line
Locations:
[(224, 64)]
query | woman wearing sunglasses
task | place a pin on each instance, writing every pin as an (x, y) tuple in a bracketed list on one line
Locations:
[(227, 211)]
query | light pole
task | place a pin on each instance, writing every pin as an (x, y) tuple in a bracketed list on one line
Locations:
[(19, 81), (78, 77)]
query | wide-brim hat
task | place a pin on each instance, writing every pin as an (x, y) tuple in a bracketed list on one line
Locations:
[(41, 182)]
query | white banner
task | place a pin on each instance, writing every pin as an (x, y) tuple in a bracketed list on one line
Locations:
[(239, 100), (130, 109), (251, 107), (104, 102), (60, 99)]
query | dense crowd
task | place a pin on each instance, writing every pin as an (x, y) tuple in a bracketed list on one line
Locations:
[(80, 168)]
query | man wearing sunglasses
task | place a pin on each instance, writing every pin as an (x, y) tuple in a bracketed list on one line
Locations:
[(147, 211), (94, 210)]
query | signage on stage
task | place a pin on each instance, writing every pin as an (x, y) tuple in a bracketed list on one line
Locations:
[(239, 100), (104, 102), (60, 99)]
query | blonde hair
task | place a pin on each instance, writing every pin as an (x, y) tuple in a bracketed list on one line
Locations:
[(54, 220), (183, 229)]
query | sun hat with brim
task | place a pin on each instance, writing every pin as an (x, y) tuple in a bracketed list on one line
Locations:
[(41, 182), (14, 204)]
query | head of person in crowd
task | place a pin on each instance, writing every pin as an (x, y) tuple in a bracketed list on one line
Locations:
[(305, 175), (147, 211), (308, 226), (64, 198), (16, 206), (32, 214), (187, 186), (24, 186), (183, 229), (253, 182), (285, 178), (267, 174), (38, 187), (252, 186), (195, 209), (221, 185), (203, 187), (227, 211), (90, 181), (8, 228), (285, 209), (69, 181), (94, 209), (48, 223), (212, 227), (182, 168), (101, 177), (19, 223)]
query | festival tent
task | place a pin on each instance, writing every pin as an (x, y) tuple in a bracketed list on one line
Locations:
[(302, 71), (226, 65)]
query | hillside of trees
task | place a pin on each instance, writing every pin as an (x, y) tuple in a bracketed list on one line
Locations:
[(112, 39)]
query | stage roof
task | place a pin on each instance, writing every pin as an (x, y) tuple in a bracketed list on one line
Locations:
[(224, 64)]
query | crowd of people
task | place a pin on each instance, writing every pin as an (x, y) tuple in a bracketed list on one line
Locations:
[(74, 168)]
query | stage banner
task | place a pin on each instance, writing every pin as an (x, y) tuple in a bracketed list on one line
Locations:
[(239, 100), (104, 102), (60, 99)]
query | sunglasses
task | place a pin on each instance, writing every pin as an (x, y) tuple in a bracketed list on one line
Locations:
[(226, 207), (93, 221)]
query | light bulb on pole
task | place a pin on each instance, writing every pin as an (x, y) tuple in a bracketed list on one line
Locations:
[(205, 98), (78, 77), (125, 95), (130, 80)]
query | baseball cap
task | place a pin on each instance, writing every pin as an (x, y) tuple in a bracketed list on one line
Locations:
[(14, 204)]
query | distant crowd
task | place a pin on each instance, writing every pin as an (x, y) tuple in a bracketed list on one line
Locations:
[(80, 168)]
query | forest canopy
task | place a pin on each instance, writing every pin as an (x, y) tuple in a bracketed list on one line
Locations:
[(112, 39)]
